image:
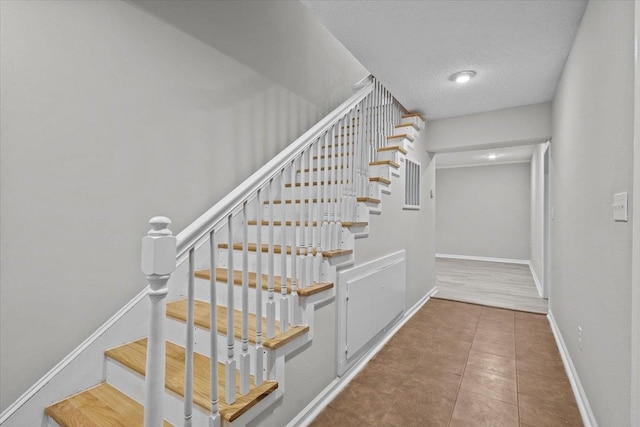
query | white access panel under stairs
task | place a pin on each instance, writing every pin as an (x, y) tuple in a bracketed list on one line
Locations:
[(371, 297)]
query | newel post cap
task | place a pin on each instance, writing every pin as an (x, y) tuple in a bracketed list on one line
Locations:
[(159, 248)]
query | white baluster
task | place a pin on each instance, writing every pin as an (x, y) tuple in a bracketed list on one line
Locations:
[(214, 414), (326, 194), (299, 258), (337, 230), (245, 359), (295, 318), (158, 262), (284, 299), (317, 217), (230, 363), (309, 224), (271, 304), (188, 364), (258, 377)]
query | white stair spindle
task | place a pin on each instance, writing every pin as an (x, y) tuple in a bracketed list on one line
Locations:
[(337, 230), (317, 217), (334, 189), (304, 193), (188, 363), (230, 363), (158, 262), (299, 255), (284, 298), (245, 359), (259, 376), (271, 304), (295, 318), (309, 224), (325, 193), (214, 413)]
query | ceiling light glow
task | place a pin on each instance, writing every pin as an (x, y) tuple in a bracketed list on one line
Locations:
[(462, 76), (492, 156)]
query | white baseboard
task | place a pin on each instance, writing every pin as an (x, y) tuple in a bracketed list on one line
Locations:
[(535, 279), (482, 258), (313, 409), (588, 418)]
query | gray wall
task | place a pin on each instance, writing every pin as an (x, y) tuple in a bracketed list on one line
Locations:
[(111, 116), (529, 123), (484, 211), (536, 251), (591, 159)]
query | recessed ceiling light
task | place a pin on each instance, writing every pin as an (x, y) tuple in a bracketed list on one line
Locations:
[(492, 156), (462, 76)]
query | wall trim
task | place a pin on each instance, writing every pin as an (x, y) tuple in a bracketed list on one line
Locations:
[(313, 409), (487, 259), (512, 162), (588, 418), (535, 279)]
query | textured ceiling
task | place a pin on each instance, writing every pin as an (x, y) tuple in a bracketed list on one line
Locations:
[(518, 48), (521, 153)]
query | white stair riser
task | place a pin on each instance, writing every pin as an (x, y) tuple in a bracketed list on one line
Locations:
[(394, 156), (132, 384), (294, 193), (176, 333), (406, 130), (383, 171), (414, 120)]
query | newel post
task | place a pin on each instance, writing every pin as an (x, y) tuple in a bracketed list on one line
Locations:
[(158, 262)]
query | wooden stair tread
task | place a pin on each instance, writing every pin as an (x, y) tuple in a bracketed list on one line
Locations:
[(133, 355), (385, 162), (178, 310), (406, 116), (306, 223), (368, 200), (401, 136), (221, 276), (402, 125), (380, 179), (102, 405), (252, 247), (393, 148)]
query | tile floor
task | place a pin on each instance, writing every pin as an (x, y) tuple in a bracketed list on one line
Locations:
[(458, 364)]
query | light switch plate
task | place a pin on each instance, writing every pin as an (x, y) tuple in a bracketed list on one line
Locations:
[(620, 207)]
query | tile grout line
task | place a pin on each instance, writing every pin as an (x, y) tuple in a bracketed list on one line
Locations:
[(464, 370)]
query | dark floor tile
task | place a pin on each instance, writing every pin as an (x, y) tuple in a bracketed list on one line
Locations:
[(503, 325), (533, 363), (492, 364), (547, 388), (416, 407), (333, 418), (477, 410), (490, 385), (375, 374), (440, 383), (492, 347), (541, 412), (363, 402), (443, 362), (397, 357), (495, 335), (453, 332)]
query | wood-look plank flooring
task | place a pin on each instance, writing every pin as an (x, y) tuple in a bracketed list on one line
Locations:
[(494, 284), (102, 405), (134, 354), (461, 365), (178, 310)]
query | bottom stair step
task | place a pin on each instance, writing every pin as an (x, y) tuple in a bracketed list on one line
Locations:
[(133, 355), (102, 405), (178, 310)]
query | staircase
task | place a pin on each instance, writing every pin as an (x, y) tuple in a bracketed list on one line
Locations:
[(254, 267)]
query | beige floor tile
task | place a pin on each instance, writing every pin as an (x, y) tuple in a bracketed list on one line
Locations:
[(490, 385), (492, 364), (550, 413)]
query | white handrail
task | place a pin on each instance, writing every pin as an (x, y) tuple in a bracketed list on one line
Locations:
[(199, 228)]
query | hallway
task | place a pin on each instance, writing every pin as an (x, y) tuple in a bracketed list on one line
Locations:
[(458, 364), (494, 284)]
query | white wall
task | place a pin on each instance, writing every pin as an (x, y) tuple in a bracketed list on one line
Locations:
[(526, 124), (484, 211), (111, 116), (537, 230), (591, 159)]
